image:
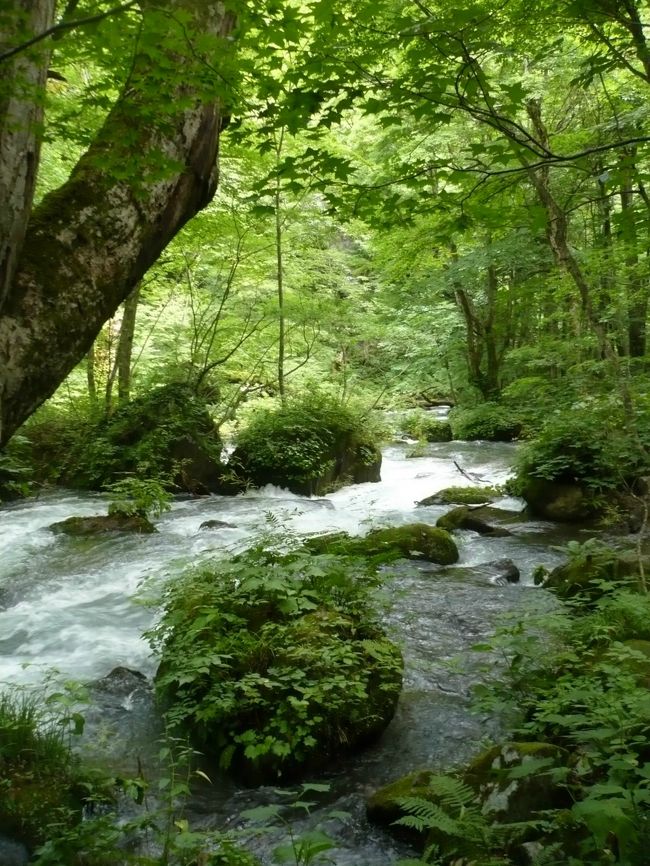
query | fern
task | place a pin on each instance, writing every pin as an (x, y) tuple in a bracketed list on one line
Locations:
[(449, 807)]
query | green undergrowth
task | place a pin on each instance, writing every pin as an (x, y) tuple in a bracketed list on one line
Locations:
[(275, 662), (311, 445)]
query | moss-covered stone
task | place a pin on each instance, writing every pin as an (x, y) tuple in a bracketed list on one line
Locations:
[(79, 526), (411, 541), (561, 501), (463, 517), (299, 671), (514, 782), (167, 433), (383, 806), (462, 496), (584, 577), (511, 783)]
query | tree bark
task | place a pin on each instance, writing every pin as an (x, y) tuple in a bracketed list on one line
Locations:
[(22, 85), (152, 166)]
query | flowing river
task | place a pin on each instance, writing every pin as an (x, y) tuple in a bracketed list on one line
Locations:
[(76, 606)]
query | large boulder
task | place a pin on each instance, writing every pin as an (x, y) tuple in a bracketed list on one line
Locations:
[(464, 518), (309, 447), (411, 541), (101, 523), (565, 502), (462, 496), (588, 576), (167, 433), (507, 784), (285, 668)]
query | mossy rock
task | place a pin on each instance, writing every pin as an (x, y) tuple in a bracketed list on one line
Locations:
[(383, 807), (310, 447), (167, 433), (514, 781), (302, 673), (464, 518), (412, 541), (584, 577), (462, 496), (81, 526), (560, 501), (488, 421), (31, 803)]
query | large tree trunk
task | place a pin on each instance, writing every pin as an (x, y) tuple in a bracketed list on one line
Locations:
[(151, 168), (22, 82)]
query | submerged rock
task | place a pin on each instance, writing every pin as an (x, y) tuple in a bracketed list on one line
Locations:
[(13, 853), (463, 517), (101, 523)]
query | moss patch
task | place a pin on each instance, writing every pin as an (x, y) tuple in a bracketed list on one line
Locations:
[(462, 496), (79, 526)]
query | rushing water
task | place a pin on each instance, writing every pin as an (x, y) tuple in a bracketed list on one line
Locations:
[(75, 605)]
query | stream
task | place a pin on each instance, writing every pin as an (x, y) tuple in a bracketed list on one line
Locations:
[(77, 607)]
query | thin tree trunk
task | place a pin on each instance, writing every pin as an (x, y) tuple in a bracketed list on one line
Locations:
[(280, 276), (90, 377), (90, 242), (637, 299), (125, 346)]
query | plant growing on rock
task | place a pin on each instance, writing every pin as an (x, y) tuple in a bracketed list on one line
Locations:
[(310, 445), (274, 662), (133, 497)]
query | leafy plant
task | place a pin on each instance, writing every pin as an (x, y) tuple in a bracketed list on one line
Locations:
[(274, 662), (135, 497), (491, 421), (305, 445)]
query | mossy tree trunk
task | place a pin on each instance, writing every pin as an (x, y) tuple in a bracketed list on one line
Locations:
[(152, 166)]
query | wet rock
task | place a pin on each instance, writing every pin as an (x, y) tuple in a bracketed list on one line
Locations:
[(462, 496), (505, 571), (12, 853), (217, 524), (561, 501), (464, 518), (80, 526), (514, 782), (411, 541), (121, 682), (383, 806)]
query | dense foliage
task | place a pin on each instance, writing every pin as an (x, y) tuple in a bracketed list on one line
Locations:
[(275, 663)]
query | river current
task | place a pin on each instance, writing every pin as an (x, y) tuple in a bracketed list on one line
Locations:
[(77, 606)]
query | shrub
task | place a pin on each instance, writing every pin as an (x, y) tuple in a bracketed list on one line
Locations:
[(131, 497), (490, 421), (579, 448), (425, 426), (311, 445), (167, 434), (276, 663)]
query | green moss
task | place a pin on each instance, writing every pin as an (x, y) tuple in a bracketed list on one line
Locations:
[(383, 807), (509, 793), (490, 421), (412, 541), (589, 577), (462, 496), (80, 526)]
